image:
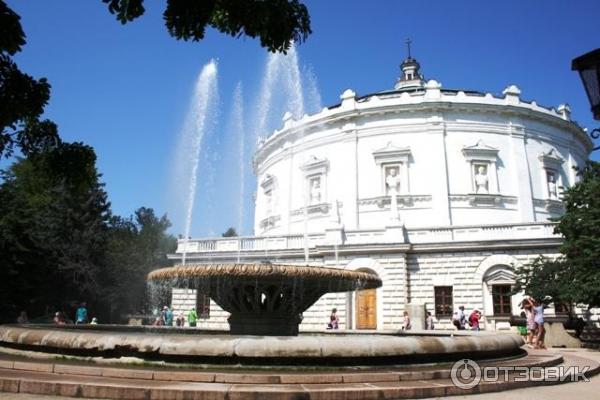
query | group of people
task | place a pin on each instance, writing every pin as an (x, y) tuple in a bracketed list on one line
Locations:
[(81, 317), (460, 319), (167, 317), (534, 314)]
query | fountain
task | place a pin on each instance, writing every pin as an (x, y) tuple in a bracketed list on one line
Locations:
[(264, 299)]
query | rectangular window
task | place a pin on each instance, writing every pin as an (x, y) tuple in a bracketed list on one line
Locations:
[(203, 305), (502, 299), (443, 301), (561, 308)]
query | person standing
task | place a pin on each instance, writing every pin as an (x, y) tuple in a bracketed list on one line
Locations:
[(531, 325), (406, 322), (81, 315), (192, 317), (474, 320), (538, 311), (180, 321), (168, 316), (459, 319), (429, 322)]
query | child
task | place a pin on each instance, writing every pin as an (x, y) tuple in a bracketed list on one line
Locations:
[(531, 325), (334, 320), (406, 324)]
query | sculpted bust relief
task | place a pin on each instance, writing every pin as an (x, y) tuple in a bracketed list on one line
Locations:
[(552, 193), (315, 191), (268, 201), (481, 180), (392, 182)]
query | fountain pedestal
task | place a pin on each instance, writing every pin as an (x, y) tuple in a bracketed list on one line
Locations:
[(263, 325)]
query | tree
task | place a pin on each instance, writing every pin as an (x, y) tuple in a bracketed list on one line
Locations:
[(53, 219), (276, 22), (573, 277), (230, 232), (22, 98), (136, 246)]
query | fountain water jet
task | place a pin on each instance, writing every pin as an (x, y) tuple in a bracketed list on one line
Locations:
[(192, 134), (283, 71), (238, 130), (312, 102)]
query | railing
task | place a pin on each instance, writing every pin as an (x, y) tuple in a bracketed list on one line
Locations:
[(538, 230), (248, 243), (487, 232)]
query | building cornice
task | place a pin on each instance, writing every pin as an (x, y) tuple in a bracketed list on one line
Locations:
[(381, 104)]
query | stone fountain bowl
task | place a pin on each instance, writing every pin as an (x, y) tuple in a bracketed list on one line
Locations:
[(121, 343), (264, 299)]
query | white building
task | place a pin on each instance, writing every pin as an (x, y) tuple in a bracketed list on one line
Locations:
[(442, 193)]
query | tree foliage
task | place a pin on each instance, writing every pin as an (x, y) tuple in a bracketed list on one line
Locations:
[(230, 232), (22, 98), (573, 277), (275, 22)]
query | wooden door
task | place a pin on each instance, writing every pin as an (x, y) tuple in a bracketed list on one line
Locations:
[(366, 309)]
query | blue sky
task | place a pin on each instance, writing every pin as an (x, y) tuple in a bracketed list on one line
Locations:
[(125, 90)]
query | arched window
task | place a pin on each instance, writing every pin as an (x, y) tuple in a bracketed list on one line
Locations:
[(499, 281)]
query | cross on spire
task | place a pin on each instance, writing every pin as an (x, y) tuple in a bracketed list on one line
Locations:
[(411, 76)]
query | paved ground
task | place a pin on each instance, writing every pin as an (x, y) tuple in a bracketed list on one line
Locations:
[(579, 390)]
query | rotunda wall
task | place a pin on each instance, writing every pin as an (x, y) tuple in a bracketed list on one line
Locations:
[(452, 164)]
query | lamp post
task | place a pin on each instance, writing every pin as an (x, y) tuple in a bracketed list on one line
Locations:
[(588, 66)]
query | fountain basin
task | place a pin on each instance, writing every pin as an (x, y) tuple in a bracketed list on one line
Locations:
[(264, 299), (317, 349)]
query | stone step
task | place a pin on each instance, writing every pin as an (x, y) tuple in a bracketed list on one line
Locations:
[(401, 373), (135, 383)]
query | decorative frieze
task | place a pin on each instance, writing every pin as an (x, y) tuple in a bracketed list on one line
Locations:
[(270, 222), (320, 209), (552, 206), (483, 200)]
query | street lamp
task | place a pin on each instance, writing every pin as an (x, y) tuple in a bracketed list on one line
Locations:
[(588, 66)]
